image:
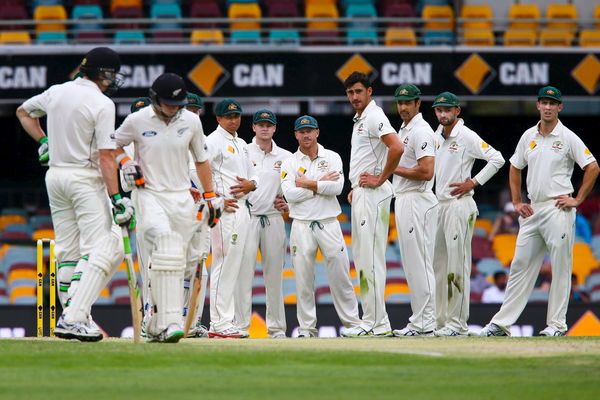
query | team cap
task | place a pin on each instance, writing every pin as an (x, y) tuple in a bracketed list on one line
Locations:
[(264, 115), (407, 91), (228, 106), (446, 99), (305, 121)]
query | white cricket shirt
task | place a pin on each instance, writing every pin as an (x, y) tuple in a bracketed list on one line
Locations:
[(161, 150), (228, 155), (369, 153), (268, 168), (81, 120), (419, 141), (304, 204), (550, 161), (456, 155)]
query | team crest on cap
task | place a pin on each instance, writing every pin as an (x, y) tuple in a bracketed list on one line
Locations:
[(140, 104), (441, 100), (176, 92), (404, 92), (264, 115), (550, 92), (232, 107), (305, 121), (84, 61)]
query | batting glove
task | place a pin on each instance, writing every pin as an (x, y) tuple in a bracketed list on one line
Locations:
[(132, 173), (123, 212), (44, 151), (213, 205)]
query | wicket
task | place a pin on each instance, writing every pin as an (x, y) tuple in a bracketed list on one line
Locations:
[(40, 287)]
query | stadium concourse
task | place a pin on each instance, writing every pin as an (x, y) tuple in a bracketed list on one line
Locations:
[(263, 53)]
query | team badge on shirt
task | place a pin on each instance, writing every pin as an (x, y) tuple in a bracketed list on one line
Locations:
[(323, 165), (230, 149), (557, 146), (283, 174), (484, 145), (453, 146), (234, 238), (532, 145), (277, 165), (406, 140), (302, 170), (587, 151)]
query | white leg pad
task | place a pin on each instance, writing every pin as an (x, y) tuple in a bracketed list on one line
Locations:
[(64, 275), (101, 265), (166, 275), (76, 276)]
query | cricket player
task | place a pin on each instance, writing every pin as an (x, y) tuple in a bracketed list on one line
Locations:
[(80, 121), (164, 134), (199, 247), (267, 228), (549, 150), (416, 210), (459, 149), (375, 153), (311, 179), (234, 178)]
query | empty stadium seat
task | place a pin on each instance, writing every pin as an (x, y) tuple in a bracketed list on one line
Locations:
[(124, 3), (284, 37), (438, 17), (478, 38), (208, 10), (127, 13), (489, 266), (282, 9), (476, 25), (207, 36), (15, 37), (518, 37), (400, 37), (50, 13), (23, 295), (322, 10), (562, 17), (438, 38), (524, 16), (14, 13), (401, 12), (129, 37), (583, 261), (360, 37), (11, 219), (245, 37), (398, 298), (589, 38), (538, 296), (43, 234), (553, 38), (166, 32), (244, 10), (484, 224)]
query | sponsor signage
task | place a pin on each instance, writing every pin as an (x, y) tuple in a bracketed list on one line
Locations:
[(320, 74)]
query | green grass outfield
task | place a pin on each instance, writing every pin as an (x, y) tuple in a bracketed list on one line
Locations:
[(367, 369)]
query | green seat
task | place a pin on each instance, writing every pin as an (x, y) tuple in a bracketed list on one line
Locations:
[(245, 37), (284, 37), (129, 37), (52, 37)]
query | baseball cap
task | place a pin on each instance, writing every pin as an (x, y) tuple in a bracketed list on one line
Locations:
[(550, 92), (407, 91), (446, 99), (264, 115), (228, 106), (305, 121), (193, 100), (140, 103)]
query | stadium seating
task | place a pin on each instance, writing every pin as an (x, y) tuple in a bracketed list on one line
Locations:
[(245, 37), (484, 224), (207, 36), (583, 261), (207, 9), (284, 37), (282, 9), (477, 25), (166, 32), (244, 11), (129, 37), (400, 12), (50, 13), (400, 37), (124, 3), (438, 25), (520, 37), (504, 246), (127, 13), (538, 296), (15, 37), (589, 38), (15, 13)]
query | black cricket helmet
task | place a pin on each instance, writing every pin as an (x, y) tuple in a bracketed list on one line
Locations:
[(168, 89)]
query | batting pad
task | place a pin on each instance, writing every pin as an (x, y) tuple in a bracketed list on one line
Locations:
[(166, 275)]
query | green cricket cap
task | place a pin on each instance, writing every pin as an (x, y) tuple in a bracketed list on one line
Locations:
[(550, 92), (264, 115), (228, 106), (446, 99), (407, 91), (194, 100), (305, 121), (140, 103)]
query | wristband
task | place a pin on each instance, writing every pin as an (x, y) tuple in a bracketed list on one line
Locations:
[(115, 197), (208, 195)]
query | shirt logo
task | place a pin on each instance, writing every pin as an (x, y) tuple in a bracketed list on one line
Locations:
[(532, 145), (587, 151), (149, 133), (557, 146), (253, 164), (277, 165), (302, 170), (283, 174), (484, 145), (380, 126), (181, 131), (230, 149), (424, 145), (453, 146), (406, 140), (323, 164), (234, 238)]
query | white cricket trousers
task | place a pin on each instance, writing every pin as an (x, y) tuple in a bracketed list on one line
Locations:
[(228, 241), (266, 232), (158, 213), (306, 237), (416, 222), (370, 226), (452, 262), (548, 229)]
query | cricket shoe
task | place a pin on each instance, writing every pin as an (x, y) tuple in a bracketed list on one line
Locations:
[(306, 335), (229, 333), (77, 330), (445, 331), (355, 332), (550, 331), (407, 332), (172, 334), (492, 329), (278, 335), (198, 331)]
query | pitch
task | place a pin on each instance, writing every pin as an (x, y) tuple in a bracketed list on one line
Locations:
[(425, 368)]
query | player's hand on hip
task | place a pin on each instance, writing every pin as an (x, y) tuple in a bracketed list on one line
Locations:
[(213, 205), (462, 188), (132, 173), (525, 210), (368, 180), (245, 186), (123, 212), (44, 151), (565, 201)]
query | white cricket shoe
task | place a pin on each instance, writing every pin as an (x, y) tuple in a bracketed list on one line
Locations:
[(78, 330), (306, 335), (445, 331), (492, 329), (407, 332), (355, 332), (198, 331), (278, 335), (172, 334), (231, 333), (550, 331)]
